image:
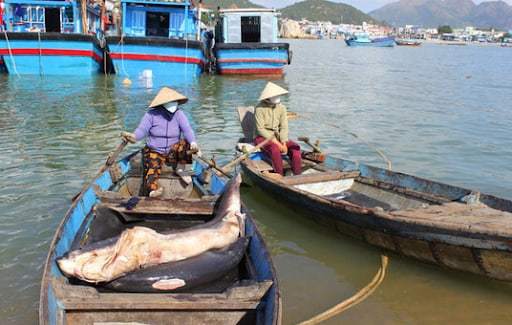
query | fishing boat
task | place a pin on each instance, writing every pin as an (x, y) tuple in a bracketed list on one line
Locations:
[(51, 38), (248, 293), (158, 36), (407, 42), (246, 43), (364, 39), (450, 226)]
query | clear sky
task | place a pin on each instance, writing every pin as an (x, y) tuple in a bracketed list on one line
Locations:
[(364, 5)]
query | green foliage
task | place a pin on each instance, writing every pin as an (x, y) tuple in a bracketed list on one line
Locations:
[(322, 10), (445, 29)]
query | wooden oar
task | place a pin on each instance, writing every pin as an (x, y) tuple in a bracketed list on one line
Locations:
[(111, 159), (224, 170), (313, 146)]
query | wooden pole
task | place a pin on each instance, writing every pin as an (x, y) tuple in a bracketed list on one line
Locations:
[(111, 159)]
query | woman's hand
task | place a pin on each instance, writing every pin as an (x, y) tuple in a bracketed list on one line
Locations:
[(194, 147), (283, 148), (128, 137)]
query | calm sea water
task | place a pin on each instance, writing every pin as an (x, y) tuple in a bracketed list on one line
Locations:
[(437, 111)]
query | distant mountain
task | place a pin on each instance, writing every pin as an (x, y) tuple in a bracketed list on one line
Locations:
[(227, 4), (495, 14), (322, 10), (456, 13)]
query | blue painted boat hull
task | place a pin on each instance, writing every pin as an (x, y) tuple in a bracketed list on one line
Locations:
[(58, 303), (378, 42), (164, 57), (51, 54), (252, 58)]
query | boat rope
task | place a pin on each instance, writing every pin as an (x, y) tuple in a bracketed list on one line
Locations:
[(371, 146), (10, 54), (379, 152), (40, 53), (121, 43), (357, 298), (364, 293)]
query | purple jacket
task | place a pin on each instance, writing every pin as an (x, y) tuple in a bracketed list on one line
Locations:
[(161, 132)]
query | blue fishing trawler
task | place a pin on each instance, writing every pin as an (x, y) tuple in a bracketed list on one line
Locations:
[(246, 42), (365, 40), (162, 36), (54, 37)]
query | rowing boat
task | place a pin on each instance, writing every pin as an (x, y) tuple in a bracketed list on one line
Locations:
[(446, 225), (247, 293)]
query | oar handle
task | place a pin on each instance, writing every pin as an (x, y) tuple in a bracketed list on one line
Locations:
[(236, 161), (313, 146)]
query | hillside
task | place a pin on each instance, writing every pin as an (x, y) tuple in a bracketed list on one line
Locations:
[(227, 4), (457, 13), (322, 10), (495, 14)]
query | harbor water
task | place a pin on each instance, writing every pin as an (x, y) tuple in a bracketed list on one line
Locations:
[(439, 112)]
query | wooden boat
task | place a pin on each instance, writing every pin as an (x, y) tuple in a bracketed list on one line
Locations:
[(247, 43), (161, 36), (450, 226), (407, 42), (52, 38), (248, 294)]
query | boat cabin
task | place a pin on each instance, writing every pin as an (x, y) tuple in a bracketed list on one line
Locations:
[(163, 18), (50, 16), (247, 26)]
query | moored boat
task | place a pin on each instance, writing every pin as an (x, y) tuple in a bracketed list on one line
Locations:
[(159, 36), (364, 40), (446, 225), (246, 292), (51, 38), (407, 42), (246, 42)]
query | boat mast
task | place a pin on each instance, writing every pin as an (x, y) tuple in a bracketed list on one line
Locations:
[(85, 28)]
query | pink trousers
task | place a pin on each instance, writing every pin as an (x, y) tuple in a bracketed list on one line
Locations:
[(272, 150)]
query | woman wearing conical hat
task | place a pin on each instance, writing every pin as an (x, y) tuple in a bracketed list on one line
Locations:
[(271, 118), (162, 126)]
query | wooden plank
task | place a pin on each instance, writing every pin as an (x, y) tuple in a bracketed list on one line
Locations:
[(161, 317), (405, 191), (174, 206), (76, 297), (317, 177), (477, 218)]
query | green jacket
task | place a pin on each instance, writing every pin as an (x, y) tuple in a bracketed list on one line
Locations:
[(270, 118)]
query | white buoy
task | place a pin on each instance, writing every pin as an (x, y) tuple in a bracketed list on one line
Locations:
[(147, 76)]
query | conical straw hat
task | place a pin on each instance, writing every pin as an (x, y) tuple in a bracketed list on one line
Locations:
[(167, 95), (272, 90)]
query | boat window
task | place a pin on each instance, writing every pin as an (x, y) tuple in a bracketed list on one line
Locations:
[(157, 24), (176, 24), (67, 19), (251, 29)]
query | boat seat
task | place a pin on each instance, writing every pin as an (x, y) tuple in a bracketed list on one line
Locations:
[(318, 177), (146, 205)]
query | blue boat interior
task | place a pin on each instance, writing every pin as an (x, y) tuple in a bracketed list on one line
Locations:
[(86, 224)]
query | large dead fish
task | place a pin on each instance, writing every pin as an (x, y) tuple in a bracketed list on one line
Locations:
[(141, 247)]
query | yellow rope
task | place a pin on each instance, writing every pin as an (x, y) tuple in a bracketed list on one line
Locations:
[(377, 279), (360, 296)]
